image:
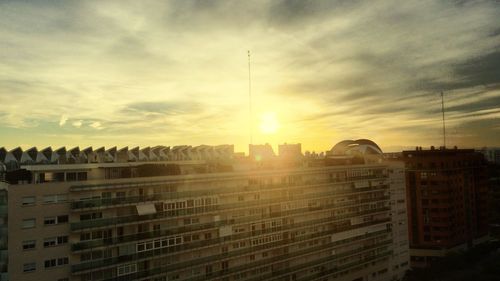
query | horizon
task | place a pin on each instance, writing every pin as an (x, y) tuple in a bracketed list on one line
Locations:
[(389, 149), (176, 72)]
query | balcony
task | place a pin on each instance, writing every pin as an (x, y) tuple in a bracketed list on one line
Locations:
[(196, 227), (75, 226), (186, 247), (224, 272), (109, 202)]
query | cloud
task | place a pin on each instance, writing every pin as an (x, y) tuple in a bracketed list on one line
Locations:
[(329, 70), (162, 108), (63, 120), (96, 125), (77, 123)]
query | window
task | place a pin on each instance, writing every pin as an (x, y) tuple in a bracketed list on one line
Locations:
[(54, 241), (97, 234), (158, 243), (71, 176), (191, 221), (29, 267), (50, 263), (85, 236), (49, 220), (29, 244), (48, 177), (50, 242), (127, 269), (82, 176), (56, 262), (86, 256), (55, 220), (62, 261), (90, 216), (54, 198), (29, 223), (28, 200), (62, 219), (48, 199)]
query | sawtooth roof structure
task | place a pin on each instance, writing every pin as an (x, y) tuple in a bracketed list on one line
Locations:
[(32, 156)]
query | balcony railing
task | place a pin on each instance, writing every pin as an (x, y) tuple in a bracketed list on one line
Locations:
[(236, 177), (109, 202), (197, 227), (268, 261), (337, 269), (201, 210), (214, 242)]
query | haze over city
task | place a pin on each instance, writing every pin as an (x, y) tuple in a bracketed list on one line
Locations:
[(176, 72)]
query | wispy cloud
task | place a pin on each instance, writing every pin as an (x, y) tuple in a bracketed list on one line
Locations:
[(160, 72), (96, 125), (77, 124), (63, 120)]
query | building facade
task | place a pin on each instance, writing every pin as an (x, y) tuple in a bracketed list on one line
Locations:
[(3, 231), (199, 214), (492, 154), (447, 191)]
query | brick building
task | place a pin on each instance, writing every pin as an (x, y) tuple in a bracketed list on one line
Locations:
[(447, 191)]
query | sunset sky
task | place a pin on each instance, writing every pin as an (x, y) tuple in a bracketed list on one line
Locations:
[(127, 73)]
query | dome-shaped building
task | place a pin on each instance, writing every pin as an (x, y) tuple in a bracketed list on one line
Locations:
[(362, 148), (352, 147)]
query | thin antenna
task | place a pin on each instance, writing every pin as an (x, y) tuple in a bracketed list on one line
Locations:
[(250, 99), (444, 126)]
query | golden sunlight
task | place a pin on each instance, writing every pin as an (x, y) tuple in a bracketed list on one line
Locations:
[(269, 123)]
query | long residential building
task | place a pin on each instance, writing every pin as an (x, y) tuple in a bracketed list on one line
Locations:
[(203, 213)]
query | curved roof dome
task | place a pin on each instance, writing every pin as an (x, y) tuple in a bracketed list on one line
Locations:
[(362, 146)]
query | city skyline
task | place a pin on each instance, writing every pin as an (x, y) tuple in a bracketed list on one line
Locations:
[(100, 73)]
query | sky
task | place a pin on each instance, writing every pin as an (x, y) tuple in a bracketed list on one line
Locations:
[(127, 73)]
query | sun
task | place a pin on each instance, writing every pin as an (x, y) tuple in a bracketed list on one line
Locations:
[(269, 123)]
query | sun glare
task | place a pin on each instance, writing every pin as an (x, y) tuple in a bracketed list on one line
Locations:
[(269, 123)]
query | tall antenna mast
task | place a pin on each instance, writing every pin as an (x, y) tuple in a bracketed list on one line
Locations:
[(444, 126), (250, 99)]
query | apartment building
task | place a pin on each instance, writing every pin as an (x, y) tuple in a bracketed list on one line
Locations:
[(198, 213), (492, 154), (447, 191), (3, 231)]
